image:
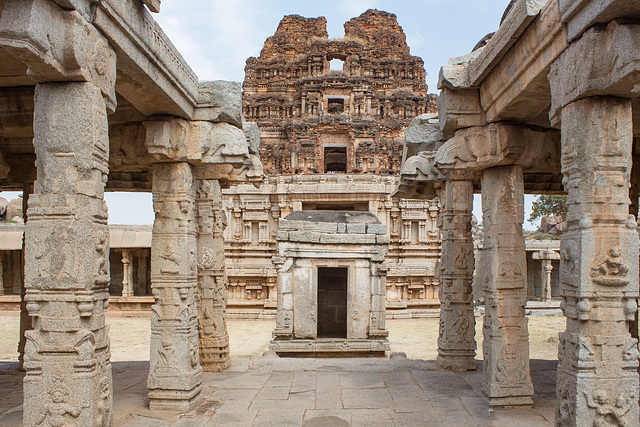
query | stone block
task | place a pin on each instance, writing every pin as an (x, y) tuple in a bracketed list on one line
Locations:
[(342, 228), (219, 101), (356, 228), (580, 15), (304, 236), (282, 235), (376, 229), (382, 240)]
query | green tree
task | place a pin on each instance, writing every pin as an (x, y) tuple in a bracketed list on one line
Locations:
[(549, 205)]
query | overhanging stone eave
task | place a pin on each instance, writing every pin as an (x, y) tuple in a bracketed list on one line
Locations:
[(523, 93), (580, 15), (169, 86), (520, 16)]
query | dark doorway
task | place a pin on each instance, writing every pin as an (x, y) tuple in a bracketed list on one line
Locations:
[(332, 302), (335, 159)]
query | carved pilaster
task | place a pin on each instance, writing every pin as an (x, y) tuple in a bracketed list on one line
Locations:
[(456, 341), (68, 374), (127, 274), (597, 378), (175, 374), (506, 377), (212, 277)]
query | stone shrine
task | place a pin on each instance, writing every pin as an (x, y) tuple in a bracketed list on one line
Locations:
[(331, 285), (331, 114)]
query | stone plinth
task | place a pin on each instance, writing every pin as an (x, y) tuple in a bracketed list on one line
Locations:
[(331, 285)]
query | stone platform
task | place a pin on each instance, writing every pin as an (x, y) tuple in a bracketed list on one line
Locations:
[(317, 392)]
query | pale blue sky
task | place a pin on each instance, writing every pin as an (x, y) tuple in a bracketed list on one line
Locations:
[(217, 36)]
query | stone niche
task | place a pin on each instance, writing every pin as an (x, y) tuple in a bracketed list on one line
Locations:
[(331, 285)]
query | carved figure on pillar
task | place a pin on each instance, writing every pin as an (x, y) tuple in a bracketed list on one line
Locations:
[(599, 269), (456, 341), (175, 374), (506, 378), (212, 278)]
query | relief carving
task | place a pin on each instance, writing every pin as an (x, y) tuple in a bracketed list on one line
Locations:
[(611, 269), (58, 412)]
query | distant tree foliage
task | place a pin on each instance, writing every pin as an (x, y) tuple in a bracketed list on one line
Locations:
[(549, 205)]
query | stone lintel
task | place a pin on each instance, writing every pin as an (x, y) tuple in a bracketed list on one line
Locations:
[(604, 61), (147, 59), (58, 45), (580, 15), (517, 88), (517, 20)]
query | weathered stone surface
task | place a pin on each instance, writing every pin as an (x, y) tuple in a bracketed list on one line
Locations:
[(580, 15), (66, 356), (597, 376), (361, 108), (175, 373), (219, 101), (456, 338), (211, 293), (518, 17), (252, 132), (196, 142), (604, 61), (506, 379)]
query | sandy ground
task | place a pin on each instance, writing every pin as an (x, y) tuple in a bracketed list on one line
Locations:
[(418, 338)]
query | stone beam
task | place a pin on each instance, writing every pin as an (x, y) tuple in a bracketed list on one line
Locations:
[(520, 15), (604, 61), (580, 15), (597, 375), (57, 45), (152, 74), (517, 88)]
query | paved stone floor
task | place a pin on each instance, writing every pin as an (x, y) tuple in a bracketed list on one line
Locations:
[(317, 392)]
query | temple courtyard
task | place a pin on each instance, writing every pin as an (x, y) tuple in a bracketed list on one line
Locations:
[(270, 391)]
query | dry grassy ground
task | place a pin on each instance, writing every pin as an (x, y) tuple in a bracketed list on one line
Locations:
[(418, 338)]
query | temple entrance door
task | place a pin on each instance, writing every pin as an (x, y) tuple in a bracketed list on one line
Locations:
[(332, 302)]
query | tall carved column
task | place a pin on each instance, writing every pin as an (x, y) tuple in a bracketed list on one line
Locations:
[(66, 357), (506, 376), (597, 378), (456, 341), (212, 277), (175, 374)]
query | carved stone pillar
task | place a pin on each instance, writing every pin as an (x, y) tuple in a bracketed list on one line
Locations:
[(456, 340), (597, 378), (127, 274), (212, 277), (547, 268), (175, 374), (506, 377), (67, 261)]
